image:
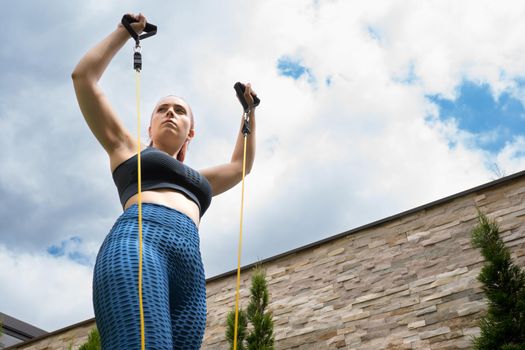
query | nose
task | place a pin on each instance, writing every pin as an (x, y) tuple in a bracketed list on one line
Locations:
[(171, 110)]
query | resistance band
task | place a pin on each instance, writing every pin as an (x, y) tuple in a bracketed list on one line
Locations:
[(240, 88), (149, 30), (246, 121)]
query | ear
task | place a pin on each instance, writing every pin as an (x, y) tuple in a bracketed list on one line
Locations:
[(149, 132), (191, 134), (182, 152)]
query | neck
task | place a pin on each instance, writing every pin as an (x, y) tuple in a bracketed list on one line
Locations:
[(169, 149)]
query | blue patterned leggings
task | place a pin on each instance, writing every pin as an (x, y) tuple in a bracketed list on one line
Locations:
[(173, 288)]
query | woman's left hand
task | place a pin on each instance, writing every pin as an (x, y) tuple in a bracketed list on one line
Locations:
[(225, 176)]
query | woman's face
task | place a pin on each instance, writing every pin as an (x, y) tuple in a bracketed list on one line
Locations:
[(171, 122)]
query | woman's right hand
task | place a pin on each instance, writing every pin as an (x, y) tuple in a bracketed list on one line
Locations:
[(138, 26)]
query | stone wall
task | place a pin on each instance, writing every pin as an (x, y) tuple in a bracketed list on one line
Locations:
[(73, 336), (405, 282)]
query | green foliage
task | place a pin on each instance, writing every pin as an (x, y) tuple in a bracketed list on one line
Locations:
[(513, 347), (503, 327), (241, 329), (260, 335), (93, 342), (259, 294)]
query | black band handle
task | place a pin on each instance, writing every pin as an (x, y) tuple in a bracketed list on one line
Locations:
[(149, 30), (239, 89)]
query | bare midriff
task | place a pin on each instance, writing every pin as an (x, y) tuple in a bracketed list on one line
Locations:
[(168, 198)]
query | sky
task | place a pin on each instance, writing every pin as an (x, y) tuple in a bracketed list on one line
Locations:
[(367, 109)]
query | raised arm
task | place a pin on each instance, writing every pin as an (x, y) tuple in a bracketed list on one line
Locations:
[(100, 116), (225, 176)]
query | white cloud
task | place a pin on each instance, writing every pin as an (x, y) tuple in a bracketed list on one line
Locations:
[(365, 135), (328, 159), (44, 291), (512, 158)]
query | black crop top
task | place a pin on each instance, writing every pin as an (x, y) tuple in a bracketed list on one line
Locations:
[(160, 170)]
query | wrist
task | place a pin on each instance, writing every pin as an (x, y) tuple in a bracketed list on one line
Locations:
[(122, 32)]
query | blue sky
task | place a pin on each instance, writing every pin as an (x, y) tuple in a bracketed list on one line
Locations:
[(476, 110), (70, 248), (367, 110), (293, 68)]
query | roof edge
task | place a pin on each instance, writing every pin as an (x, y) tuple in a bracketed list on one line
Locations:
[(450, 198), (50, 334)]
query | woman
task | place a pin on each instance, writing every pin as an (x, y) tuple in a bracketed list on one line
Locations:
[(174, 199)]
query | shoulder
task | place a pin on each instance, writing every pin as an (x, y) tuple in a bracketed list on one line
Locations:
[(121, 154)]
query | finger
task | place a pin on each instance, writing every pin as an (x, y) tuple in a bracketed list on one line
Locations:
[(248, 95), (139, 22), (132, 16), (142, 18), (248, 90)]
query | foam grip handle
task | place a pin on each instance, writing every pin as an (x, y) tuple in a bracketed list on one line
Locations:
[(239, 89), (150, 29)]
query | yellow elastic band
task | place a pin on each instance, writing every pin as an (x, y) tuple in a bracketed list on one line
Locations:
[(139, 180), (239, 250)]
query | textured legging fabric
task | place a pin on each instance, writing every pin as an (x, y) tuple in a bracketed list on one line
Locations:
[(173, 288)]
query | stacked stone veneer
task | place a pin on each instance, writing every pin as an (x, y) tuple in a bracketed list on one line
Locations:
[(73, 336), (407, 282)]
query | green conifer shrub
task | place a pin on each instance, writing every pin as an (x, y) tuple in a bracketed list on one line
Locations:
[(258, 335), (93, 342), (503, 326), (241, 329)]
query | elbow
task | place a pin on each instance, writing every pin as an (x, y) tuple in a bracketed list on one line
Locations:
[(81, 78), (249, 165), (80, 74), (76, 75), (239, 172), (246, 172)]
